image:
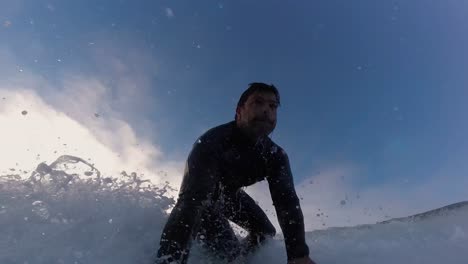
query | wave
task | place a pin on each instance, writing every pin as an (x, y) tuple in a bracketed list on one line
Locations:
[(67, 212)]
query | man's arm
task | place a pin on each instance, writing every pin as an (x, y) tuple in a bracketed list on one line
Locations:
[(198, 186), (287, 207)]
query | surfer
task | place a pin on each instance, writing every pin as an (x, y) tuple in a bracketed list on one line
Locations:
[(222, 161)]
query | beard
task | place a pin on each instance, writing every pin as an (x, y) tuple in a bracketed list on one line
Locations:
[(262, 127)]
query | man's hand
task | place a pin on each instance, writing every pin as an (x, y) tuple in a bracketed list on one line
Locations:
[(304, 260)]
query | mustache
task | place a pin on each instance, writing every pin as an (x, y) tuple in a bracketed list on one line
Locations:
[(263, 119)]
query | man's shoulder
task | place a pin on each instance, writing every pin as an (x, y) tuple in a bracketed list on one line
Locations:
[(275, 149), (217, 134)]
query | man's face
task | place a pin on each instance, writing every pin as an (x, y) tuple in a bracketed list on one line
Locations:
[(258, 114)]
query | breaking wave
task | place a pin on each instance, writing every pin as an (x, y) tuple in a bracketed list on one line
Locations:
[(67, 212)]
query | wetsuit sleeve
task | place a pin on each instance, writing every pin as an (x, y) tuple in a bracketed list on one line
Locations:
[(198, 186), (287, 206)]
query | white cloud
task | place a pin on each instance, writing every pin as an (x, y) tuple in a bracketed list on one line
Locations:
[(332, 198), (81, 116)]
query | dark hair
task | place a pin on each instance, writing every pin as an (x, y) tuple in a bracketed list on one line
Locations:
[(257, 87)]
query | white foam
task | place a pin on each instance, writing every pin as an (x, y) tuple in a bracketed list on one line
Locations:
[(62, 215)]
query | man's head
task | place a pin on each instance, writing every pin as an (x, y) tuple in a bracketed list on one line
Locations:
[(256, 109)]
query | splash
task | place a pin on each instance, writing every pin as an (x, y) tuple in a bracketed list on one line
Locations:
[(68, 212)]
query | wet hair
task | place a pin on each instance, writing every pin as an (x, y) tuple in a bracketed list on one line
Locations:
[(257, 87)]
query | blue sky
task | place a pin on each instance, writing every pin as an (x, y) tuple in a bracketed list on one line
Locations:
[(377, 86)]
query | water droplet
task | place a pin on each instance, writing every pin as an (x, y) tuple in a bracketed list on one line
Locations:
[(169, 12), (51, 7), (7, 23), (41, 210)]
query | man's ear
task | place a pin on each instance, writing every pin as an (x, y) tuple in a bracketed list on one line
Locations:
[(238, 111)]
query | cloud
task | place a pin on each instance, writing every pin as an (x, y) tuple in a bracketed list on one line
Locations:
[(334, 198), (81, 115), (321, 197)]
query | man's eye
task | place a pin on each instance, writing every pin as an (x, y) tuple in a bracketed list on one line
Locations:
[(258, 101)]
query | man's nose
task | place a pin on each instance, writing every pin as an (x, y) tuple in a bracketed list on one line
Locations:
[(266, 109), (268, 113)]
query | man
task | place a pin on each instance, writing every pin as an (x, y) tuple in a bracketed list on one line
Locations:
[(222, 161)]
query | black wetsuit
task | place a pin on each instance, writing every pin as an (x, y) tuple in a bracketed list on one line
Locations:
[(222, 161)]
